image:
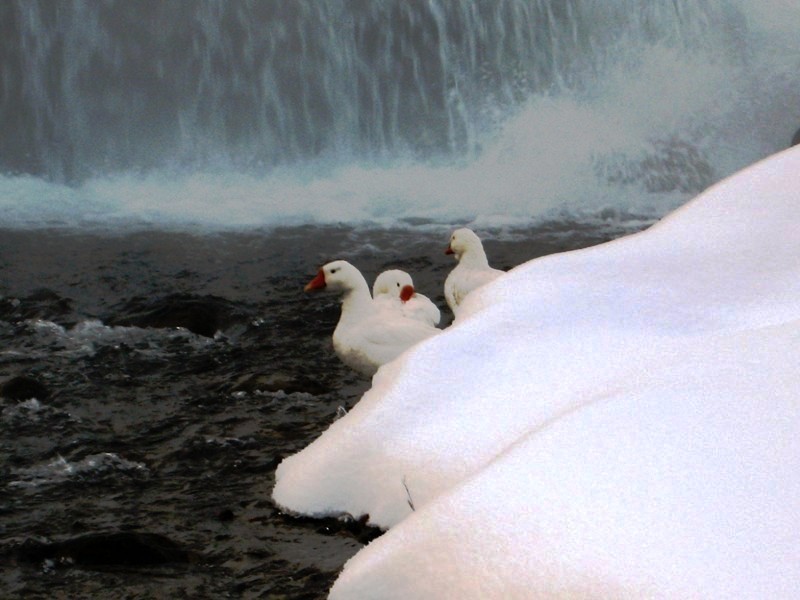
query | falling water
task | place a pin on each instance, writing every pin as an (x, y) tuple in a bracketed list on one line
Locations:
[(336, 107)]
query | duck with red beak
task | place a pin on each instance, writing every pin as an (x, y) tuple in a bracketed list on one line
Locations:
[(395, 289), (366, 336)]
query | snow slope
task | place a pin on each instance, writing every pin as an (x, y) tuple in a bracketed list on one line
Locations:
[(680, 483), (616, 421)]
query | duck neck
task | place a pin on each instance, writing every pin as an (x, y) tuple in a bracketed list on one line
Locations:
[(357, 301), (474, 257)]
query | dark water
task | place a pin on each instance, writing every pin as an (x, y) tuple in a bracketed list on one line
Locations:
[(144, 465)]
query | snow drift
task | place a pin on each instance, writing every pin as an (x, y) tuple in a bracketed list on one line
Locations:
[(616, 421)]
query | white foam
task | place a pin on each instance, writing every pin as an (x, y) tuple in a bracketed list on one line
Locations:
[(86, 337), (732, 102), (92, 467), (28, 409)]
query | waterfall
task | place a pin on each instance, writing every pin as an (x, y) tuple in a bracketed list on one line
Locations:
[(250, 113), (94, 87)]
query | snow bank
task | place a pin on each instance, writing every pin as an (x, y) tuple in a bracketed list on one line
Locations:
[(681, 483), (616, 421)]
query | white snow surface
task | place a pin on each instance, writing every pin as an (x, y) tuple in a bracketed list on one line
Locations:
[(620, 421)]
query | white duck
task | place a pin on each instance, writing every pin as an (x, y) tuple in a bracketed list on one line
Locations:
[(394, 289), (472, 270), (366, 337)]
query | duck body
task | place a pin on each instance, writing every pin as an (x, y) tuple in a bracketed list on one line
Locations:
[(472, 270), (367, 335), (422, 308), (394, 290)]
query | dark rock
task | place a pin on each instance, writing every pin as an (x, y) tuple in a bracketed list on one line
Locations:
[(23, 387), (226, 515), (40, 304), (203, 315), (79, 526), (796, 138), (106, 549), (346, 525)]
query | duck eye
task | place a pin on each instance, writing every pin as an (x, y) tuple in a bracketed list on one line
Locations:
[(334, 270), (398, 284)]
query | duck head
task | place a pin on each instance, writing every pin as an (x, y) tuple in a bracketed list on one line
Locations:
[(463, 241), (338, 275), (391, 283)]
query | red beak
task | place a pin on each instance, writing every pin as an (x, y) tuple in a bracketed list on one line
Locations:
[(449, 250), (407, 293), (317, 283)]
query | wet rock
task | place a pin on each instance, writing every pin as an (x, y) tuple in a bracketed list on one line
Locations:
[(203, 315), (203, 448), (226, 515), (346, 525), (22, 388), (106, 549), (673, 165), (40, 304)]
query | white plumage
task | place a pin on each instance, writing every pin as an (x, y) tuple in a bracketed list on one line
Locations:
[(366, 336), (394, 290), (472, 270)]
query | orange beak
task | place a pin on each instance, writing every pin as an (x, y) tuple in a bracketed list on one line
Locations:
[(449, 250), (317, 283), (407, 293)]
